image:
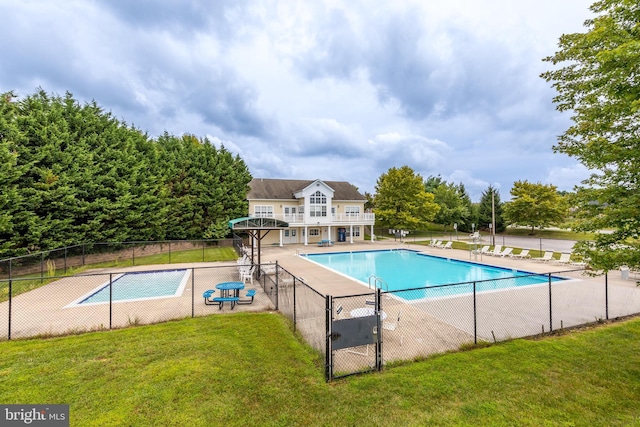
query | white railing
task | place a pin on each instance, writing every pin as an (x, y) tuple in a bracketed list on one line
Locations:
[(299, 219)]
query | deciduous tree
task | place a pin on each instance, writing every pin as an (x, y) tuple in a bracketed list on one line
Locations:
[(598, 79), (535, 205), (452, 207), (401, 201)]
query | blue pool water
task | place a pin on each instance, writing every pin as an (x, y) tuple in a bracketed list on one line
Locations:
[(409, 270), (139, 286)]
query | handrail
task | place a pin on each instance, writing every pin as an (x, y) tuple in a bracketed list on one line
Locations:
[(378, 281)]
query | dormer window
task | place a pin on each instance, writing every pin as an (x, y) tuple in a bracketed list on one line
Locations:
[(318, 205)]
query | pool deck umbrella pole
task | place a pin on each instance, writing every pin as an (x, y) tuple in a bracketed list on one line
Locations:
[(255, 226)]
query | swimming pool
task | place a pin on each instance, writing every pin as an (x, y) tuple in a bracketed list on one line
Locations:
[(423, 275), (137, 286)]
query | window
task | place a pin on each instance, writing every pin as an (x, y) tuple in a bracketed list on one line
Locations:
[(263, 211), (352, 210), (318, 205), (356, 232), (314, 232), (318, 211)]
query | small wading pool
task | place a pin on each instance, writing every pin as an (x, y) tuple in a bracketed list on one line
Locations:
[(137, 286), (403, 269)]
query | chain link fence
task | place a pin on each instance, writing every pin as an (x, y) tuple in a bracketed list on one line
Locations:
[(375, 329), (64, 260), (60, 305)]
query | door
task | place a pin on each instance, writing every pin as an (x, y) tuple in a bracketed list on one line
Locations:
[(290, 236), (289, 213)]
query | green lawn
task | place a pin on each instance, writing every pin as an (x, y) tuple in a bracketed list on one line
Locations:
[(249, 369)]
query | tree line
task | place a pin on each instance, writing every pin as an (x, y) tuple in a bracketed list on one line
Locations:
[(73, 173), (405, 200)]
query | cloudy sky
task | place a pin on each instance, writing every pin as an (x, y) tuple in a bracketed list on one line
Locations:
[(336, 90)]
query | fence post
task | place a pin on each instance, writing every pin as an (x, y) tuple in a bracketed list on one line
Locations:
[(550, 307), (41, 267), (379, 330), (328, 310), (606, 294), (65, 261), (295, 320), (193, 290), (110, 300), (10, 301), (133, 255), (169, 252), (276, 277), (475, 316), (83, 254)]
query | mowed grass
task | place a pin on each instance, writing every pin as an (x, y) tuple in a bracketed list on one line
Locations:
[(249, 369)]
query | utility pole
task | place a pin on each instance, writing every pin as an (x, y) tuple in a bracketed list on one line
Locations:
[(493, 217)]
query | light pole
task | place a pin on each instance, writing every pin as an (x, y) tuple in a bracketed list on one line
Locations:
[(493, 217), (475, 245), (455, 227), (493, 240)]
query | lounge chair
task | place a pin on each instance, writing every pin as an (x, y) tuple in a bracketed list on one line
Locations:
[(251, 293), (583, 263), (497, 250), (506, 252), (484, 250), (548, 255), (523, 254), (447, 245), (565, 258), (436, 243)]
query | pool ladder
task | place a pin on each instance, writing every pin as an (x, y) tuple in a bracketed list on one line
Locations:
[(378, 283)]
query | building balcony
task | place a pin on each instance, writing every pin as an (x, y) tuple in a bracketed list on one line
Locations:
[(298, 220)]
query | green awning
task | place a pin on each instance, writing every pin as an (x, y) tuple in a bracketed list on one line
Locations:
[(257, 223)]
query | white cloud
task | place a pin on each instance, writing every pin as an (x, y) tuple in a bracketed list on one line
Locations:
[(567, 177), (332, 89)]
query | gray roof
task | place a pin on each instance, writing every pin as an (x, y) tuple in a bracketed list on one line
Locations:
[(284, 189)]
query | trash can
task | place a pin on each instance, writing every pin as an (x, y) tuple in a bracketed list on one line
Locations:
[(624, 272)]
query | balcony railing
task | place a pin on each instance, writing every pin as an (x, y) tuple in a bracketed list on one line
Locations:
[(335, 219)]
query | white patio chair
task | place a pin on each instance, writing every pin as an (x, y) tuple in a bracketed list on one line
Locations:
[(523, 254), (246, 273), (506, 252), (565, 258), (497, 250), (393, 326), (484, 250), (548, 255)]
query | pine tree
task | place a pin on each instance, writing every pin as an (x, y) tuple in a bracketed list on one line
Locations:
[(485, 210)]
